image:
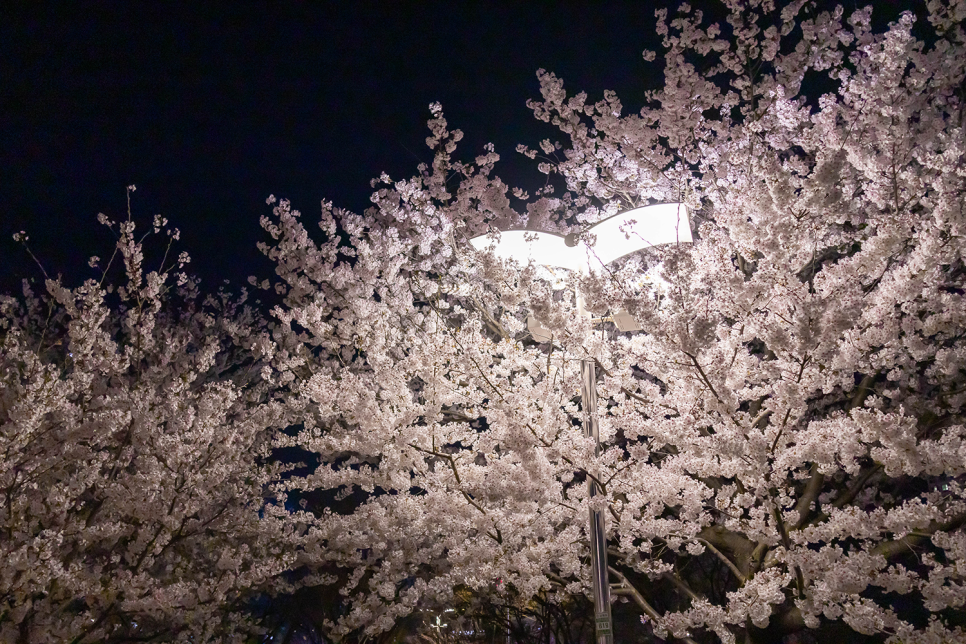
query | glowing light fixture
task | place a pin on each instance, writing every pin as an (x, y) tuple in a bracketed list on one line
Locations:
[(602, 243)]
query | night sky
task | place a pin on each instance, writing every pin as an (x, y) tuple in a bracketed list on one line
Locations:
[(209, 109)]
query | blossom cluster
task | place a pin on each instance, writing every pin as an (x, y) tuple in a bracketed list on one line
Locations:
[(783, 442), (783, 445), (134, 431)]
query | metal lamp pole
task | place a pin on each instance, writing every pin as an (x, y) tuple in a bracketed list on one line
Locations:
[(598, 535), (616, 237)]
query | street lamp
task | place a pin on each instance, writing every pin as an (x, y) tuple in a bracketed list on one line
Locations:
[(614, 238)]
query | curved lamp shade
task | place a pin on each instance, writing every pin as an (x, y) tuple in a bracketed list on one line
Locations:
[(601, 244)]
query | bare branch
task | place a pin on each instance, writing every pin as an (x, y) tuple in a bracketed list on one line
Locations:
[(682, 586), (856, 487), (720, 555), (452, 463), (704, 376), (626, 588), (491, 322)]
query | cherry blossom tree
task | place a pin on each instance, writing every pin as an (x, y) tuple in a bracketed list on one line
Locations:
[(134, 431), (783, 440)]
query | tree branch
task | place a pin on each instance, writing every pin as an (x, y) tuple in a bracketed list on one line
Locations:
[(809, 496), (452, 463), (704, 376), (894, 548), (626, 588), (682, 586), (725, 540), (731, 566), (489, 320), (856, 487)]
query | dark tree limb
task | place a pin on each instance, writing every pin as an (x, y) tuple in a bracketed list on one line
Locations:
[(628, 589), (895, 547)]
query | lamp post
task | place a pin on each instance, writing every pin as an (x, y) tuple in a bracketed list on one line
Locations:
[(616, 237)]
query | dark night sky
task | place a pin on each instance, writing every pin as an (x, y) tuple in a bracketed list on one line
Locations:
[(208, 109)]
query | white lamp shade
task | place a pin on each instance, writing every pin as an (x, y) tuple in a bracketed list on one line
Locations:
[(616, 237), (634, 230), (524, 246)]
